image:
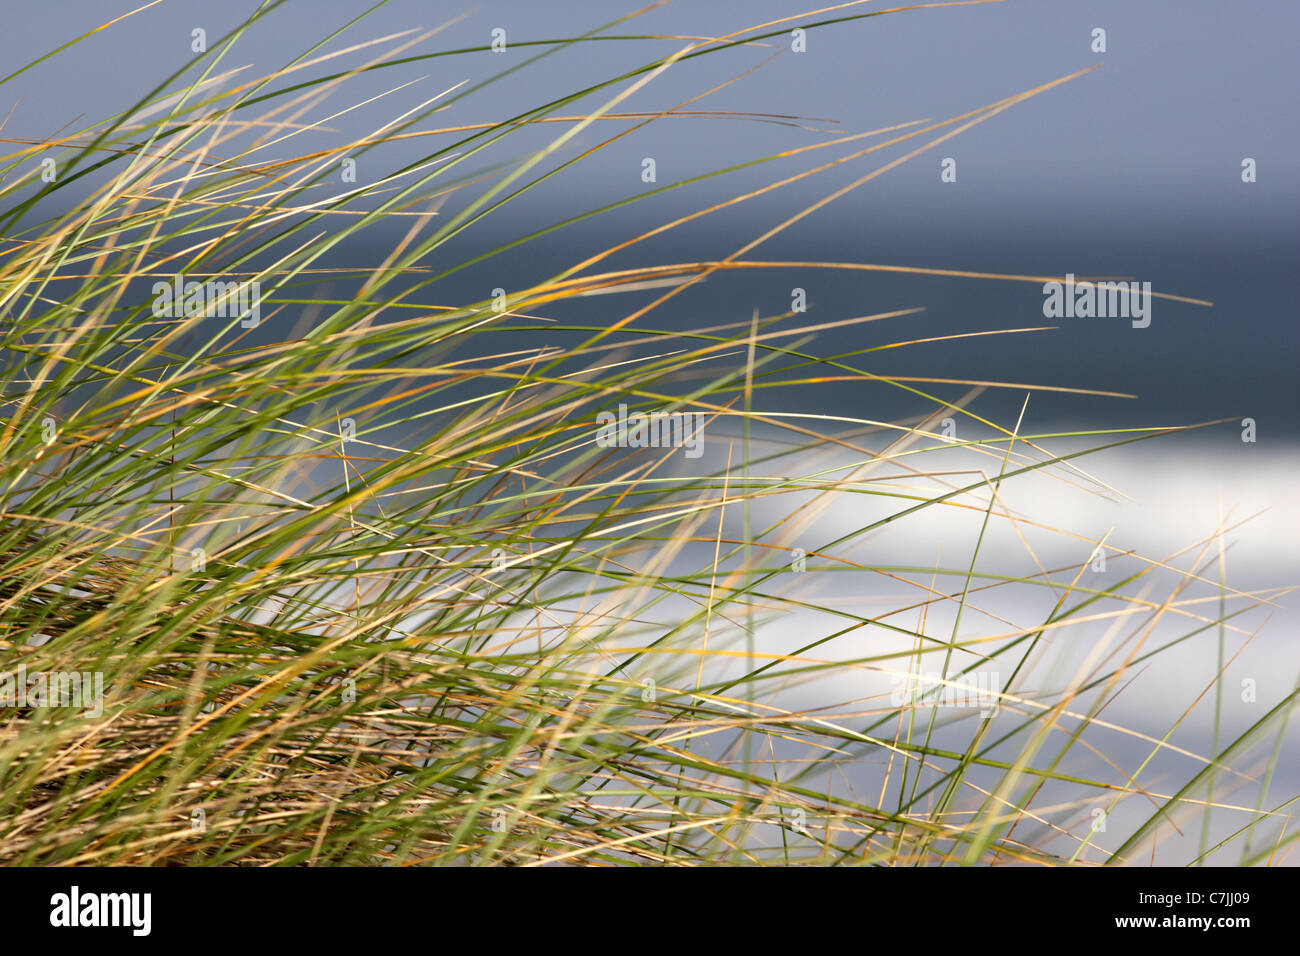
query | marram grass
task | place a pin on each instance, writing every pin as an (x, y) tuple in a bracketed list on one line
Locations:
[(364, 588)]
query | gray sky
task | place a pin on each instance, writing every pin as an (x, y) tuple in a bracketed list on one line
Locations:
[(1185, 90)]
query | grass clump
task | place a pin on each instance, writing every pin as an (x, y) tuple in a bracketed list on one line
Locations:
[(364, 587)]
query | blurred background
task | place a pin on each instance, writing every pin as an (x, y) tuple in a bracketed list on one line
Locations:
[(1131, 170)]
